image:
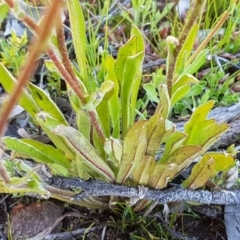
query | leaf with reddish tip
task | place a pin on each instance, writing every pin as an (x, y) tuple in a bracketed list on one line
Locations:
[(83, 148), (134, 148), (201, 172)]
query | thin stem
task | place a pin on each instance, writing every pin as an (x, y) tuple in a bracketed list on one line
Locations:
[(66, 75), (64, 53), (36, 47), (77, 90), (209, 37), (10, 3), (193, 16), (72, 80)]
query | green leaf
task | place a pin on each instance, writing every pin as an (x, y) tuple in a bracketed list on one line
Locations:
[(26, 100), (51, 152), (197, 63), (36, 150), (128, 49), (151, 91), (113, 104), (83, 123), (47, 123), (78, 27), (134, 148), (172, 144), (206, 133), (140, 49), (103, 108), (198, 115), (186, 49), (183, 156), (4, 8), (96, 98), (180, 93), (182, 80), (46, 103), (201, 172), (79, 144), (59, 170), (131, 73), (135, 32), (223, 161)]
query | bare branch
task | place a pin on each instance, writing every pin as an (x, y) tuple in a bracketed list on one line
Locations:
[(96, 188)]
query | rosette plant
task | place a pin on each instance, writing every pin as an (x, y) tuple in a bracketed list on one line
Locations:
[(109, 142)]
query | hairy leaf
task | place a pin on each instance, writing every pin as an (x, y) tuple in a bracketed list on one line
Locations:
[(184, 156), (83, 123)]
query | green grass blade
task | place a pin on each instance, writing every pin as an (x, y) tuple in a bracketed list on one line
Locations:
[(79, 36)]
